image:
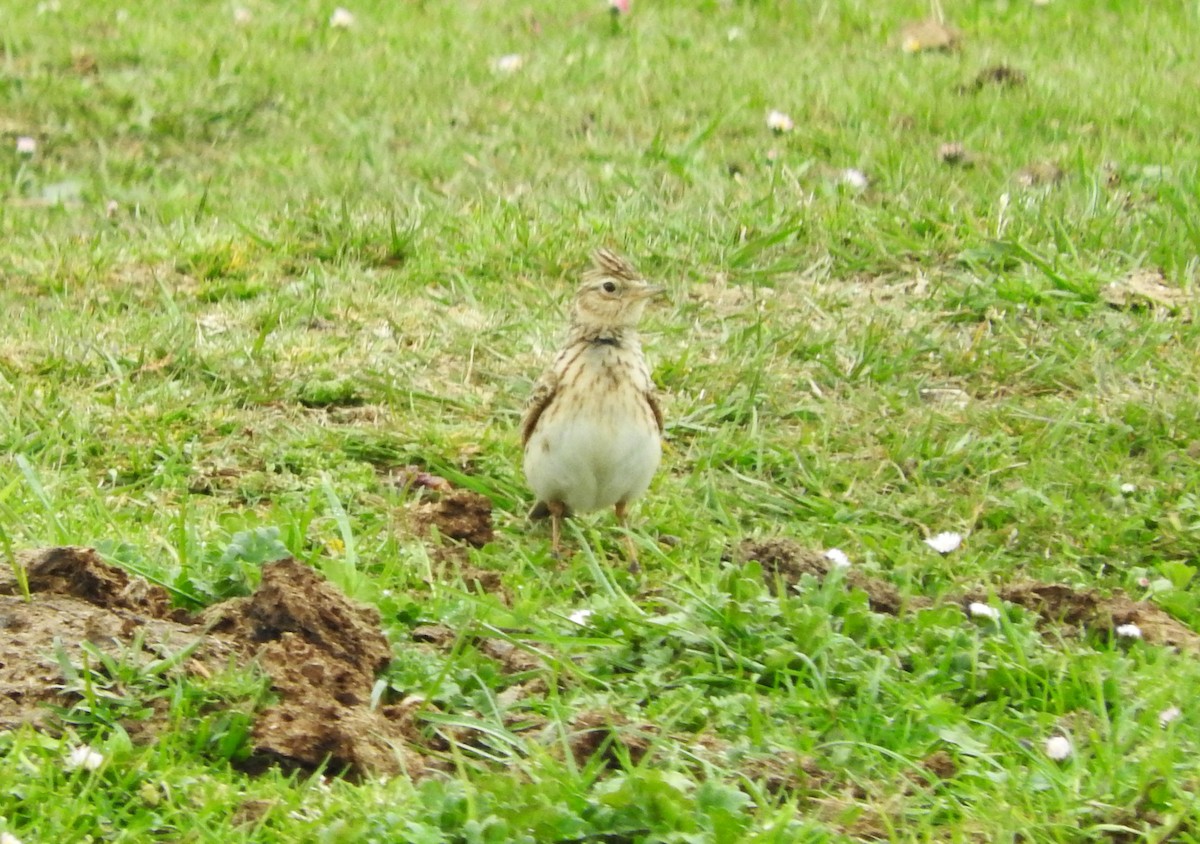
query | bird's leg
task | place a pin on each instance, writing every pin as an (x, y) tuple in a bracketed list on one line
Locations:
[(557, 511), (623, 520)]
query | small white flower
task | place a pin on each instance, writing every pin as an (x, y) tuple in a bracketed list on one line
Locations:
[(1129, 631), (242, 16), (1128, 489), (1058, 748), (580, 617), (510, 63), (944, 543), (734, 33), (855, 179), (9, 838), (84, 757), (838, 557), (1171, 713), (26, 145), (979, 610), (341, 18), (779, 122)]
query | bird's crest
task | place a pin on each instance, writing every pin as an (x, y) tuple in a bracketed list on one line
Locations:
[(606, 263)]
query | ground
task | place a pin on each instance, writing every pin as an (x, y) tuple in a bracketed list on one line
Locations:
[(273, 292)]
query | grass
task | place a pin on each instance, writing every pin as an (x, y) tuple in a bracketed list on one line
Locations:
[(338, 251)]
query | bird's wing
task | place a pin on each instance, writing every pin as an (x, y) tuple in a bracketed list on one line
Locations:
[(543, 393), (655, 407)]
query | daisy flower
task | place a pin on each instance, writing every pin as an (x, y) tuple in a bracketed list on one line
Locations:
[(778, 122), (944, 543), (1058, 748)]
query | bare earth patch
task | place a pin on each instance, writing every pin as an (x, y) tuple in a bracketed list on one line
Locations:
[(461, 515), (607, 733), (320, 650), (785, 560), (998, 75), (941, 764), (929, 35), (1144, 288), (1088, 609), (789, 561), (955, 154), (1039, 174)]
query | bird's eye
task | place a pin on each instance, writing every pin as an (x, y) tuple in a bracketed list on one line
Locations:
[(610, 287)]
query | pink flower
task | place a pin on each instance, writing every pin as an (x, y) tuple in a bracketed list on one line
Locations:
[(619, 7)]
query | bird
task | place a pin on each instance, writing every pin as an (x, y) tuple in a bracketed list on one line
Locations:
[(592, 427)]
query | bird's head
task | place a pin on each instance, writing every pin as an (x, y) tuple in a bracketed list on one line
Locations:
[(613, 293)]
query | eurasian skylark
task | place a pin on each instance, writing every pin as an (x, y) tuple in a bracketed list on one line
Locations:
[(592, 428)]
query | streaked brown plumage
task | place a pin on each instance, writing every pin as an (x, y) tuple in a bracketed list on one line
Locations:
[(592, 427)]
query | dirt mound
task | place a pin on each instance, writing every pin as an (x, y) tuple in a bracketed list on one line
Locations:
[(324, 716), (782, 558), (77, 598), (789, 561), (998, 75), (1090, 610), (321, 651), (941, 764), (34, 634), (613, 739), (609, 734), (294, 599), (462, 515), (80, 573), (1086, 609)]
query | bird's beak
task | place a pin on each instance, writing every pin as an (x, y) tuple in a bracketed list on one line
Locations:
[(651, 291)]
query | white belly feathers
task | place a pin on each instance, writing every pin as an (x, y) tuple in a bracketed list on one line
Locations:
[(594, 459)]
